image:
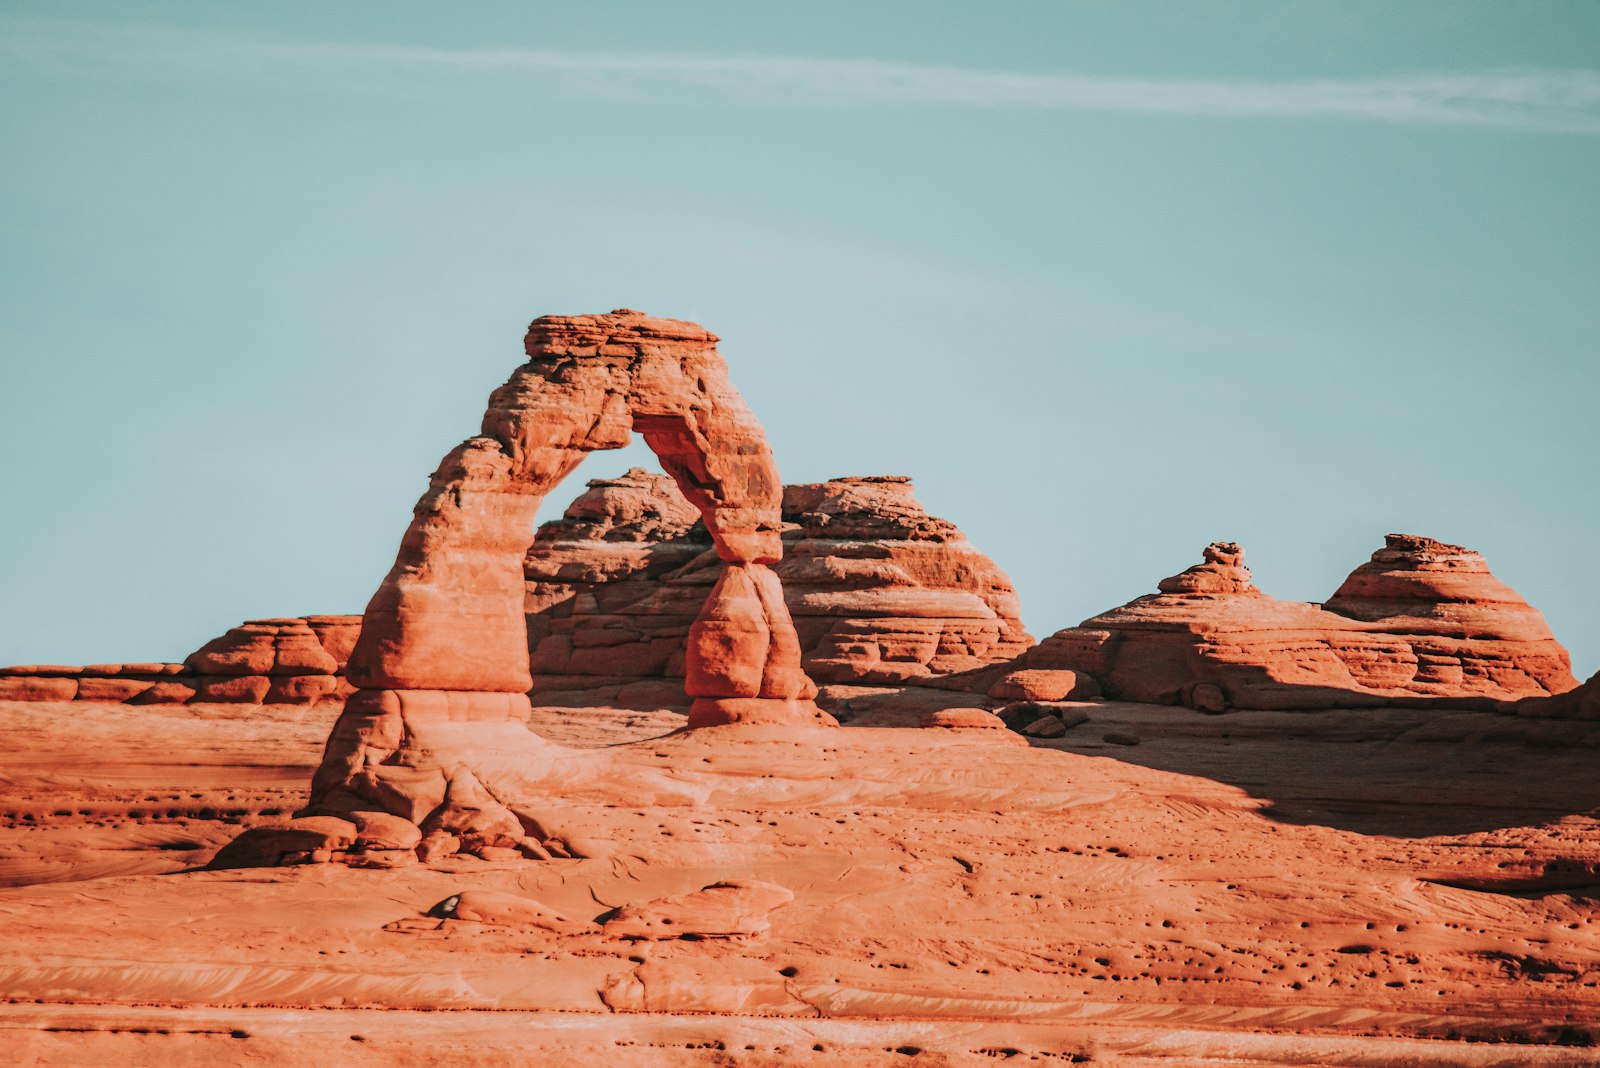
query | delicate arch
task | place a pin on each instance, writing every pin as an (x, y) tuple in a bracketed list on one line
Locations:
[(437, 732), (449, 615)]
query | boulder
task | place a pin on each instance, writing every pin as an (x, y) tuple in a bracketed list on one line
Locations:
[(473, 814), (409, 793), (437, 847), (1044, 685), (1022, 714), (1045, 727), (963, 719)]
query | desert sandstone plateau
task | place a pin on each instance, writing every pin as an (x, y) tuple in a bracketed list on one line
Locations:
[(714, 770)]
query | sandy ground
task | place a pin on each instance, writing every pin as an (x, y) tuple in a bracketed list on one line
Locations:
[(1350, 888)]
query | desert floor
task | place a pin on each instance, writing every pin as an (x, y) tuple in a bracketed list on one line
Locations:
[(1342, 888)]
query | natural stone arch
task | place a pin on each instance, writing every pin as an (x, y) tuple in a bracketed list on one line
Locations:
[(449, 616), (442, 662)]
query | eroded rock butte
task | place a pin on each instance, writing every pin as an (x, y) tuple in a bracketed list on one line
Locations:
[(1421, 622), (880, 591)]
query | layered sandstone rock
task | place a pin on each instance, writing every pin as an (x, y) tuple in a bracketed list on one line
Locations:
[(608, 607), (276, 661), (449, 615), (435, 732), (880, 591), (883, 592), (144, 683), (1421, 621)]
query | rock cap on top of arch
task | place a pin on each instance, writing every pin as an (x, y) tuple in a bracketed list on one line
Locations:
[(561, 334)]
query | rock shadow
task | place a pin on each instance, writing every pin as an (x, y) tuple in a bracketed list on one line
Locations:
[(1410, 772)]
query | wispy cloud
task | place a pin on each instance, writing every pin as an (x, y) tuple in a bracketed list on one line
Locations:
[(1538, 100)]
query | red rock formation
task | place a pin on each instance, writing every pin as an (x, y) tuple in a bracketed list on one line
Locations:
[(1470, 632), (276, 661), (880, 591), (883, 592), (435, 732), (1421, 621), (143, 683), (449, 615), (608, 607)]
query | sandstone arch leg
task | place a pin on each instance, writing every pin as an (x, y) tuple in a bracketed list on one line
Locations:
[(742, 664), (435, 732)]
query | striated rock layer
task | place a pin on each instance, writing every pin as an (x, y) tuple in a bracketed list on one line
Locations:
[(281, 661), (1421, 621), (880, 591), (436, 731), (890, 593)]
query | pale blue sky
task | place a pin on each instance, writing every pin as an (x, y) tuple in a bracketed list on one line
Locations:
[(1110, 280)]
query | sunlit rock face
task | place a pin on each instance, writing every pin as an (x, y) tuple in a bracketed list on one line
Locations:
[(290, 661), (1421, 621)]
